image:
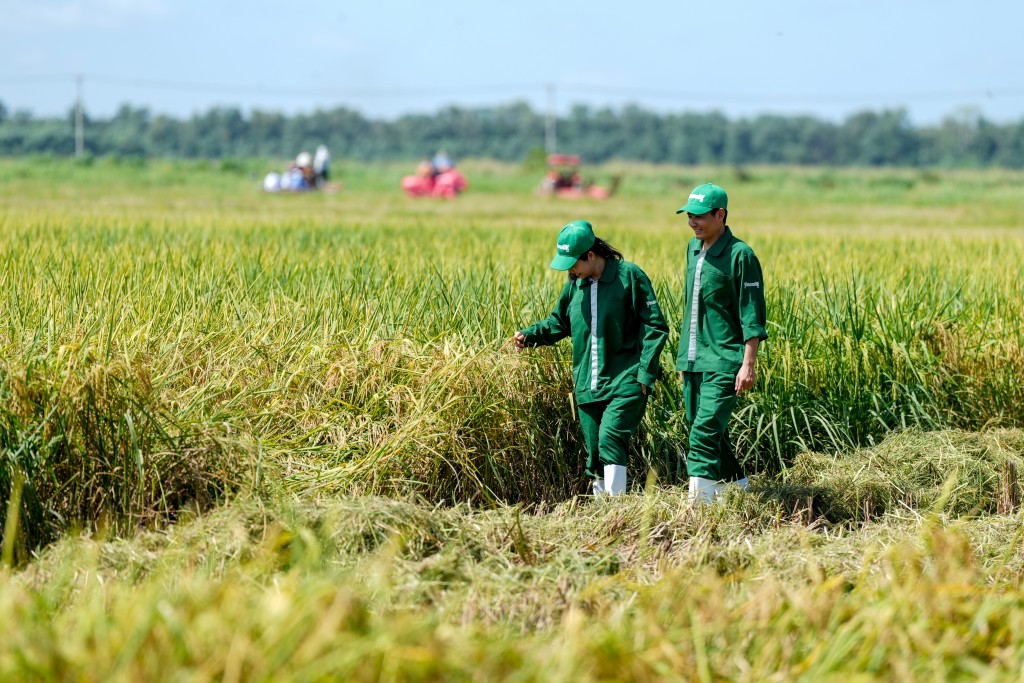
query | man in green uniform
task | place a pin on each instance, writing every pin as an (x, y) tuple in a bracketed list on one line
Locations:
[(609, 309), (723, 324)]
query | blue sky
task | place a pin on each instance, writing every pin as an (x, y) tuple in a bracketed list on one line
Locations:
[(386, 58)]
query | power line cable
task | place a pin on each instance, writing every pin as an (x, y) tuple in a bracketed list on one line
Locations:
[(521, 88), (34, 80), (260, 89), (988, 93)]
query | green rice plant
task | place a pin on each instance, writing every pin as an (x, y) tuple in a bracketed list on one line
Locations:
[(356, 342), (97, 450)]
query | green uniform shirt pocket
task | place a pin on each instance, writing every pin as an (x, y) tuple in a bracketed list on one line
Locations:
[(715, 286)]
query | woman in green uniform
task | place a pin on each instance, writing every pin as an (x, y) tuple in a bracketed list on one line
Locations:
[(609, 309)]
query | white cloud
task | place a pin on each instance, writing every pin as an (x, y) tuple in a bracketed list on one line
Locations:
[(16, 15)]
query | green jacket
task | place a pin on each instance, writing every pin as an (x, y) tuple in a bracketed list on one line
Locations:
[(731, 309), (617, 331)]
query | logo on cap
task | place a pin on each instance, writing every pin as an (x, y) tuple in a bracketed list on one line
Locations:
[(698, 197), (563, 247)]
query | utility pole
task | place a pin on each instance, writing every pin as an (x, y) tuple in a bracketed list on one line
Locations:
[(549, 122), (79, 119)]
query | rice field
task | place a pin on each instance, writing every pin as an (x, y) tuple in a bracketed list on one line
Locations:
[(259, 437)]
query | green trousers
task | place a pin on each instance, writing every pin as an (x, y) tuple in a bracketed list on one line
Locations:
[(710, 398), (607, 428)]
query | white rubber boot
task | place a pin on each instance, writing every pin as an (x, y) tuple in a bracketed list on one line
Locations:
[(705, 490), (615, 479), (743, 484), (598, 487)]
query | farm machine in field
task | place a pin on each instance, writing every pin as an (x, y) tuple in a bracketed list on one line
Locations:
[(563, 179), (437, 177)]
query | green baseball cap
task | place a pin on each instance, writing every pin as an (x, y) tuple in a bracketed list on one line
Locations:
[(574, 240), (704, 198)]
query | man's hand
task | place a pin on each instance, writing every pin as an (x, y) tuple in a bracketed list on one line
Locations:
[(643, 389), (520, 340), (745, 378)]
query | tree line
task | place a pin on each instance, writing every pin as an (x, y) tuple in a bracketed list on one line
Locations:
[(510, 132)]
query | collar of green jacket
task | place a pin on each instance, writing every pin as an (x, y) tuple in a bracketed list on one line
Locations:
[(611, 270), (718, 247)]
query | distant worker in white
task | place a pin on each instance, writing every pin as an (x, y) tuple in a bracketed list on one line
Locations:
[(307, 172), (321, 166)]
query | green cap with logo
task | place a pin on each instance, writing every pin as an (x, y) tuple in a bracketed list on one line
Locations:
[(704, 198), (574, 241)]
